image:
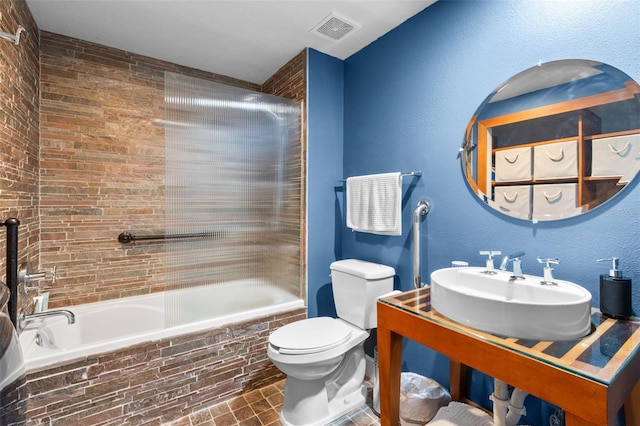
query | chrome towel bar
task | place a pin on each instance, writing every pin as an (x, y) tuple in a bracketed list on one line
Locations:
[(402, 174)]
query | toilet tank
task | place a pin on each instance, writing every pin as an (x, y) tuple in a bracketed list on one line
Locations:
[(357, 285)]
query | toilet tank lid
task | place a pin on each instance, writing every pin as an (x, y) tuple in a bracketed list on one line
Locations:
[(363, 269)]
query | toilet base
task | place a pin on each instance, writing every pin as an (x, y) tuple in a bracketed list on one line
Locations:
[(313, 410), (319, 402)]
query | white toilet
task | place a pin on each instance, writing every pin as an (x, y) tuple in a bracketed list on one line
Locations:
[(323, 357)]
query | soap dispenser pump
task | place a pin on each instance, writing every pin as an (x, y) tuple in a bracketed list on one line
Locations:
[(615, 292)]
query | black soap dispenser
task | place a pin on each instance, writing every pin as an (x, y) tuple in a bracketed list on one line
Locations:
[(615, 292)]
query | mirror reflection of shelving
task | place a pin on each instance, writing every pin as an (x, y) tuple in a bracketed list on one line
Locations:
[(551, 159), (580, 164)]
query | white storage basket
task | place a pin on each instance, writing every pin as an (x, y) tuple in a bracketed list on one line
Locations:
[(555, 160), (514, 201), (616, 157), (513, 164), (555, 201)]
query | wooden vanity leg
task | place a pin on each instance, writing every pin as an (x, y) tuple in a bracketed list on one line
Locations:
[(458, 380), (389, 370), (632, 407)]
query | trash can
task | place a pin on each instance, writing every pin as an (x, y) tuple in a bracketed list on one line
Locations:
[(420, 399)]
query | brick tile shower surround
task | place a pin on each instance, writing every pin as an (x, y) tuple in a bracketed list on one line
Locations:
[(102, 170), (157, 382), (102, 155), (81, 160), (19, 129)]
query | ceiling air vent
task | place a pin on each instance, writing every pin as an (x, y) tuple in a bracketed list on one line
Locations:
[(334, 27)]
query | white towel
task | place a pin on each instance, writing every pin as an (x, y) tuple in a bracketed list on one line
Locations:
[(374, 203)]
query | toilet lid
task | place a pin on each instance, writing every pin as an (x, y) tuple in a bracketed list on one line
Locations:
[(310, 336)]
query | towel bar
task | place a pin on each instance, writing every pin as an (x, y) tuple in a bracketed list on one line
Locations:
[(402, 174)]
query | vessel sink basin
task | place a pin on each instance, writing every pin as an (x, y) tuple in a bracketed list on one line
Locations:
[(518, 308)]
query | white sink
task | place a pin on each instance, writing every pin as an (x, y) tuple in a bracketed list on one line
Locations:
[(521, 308)]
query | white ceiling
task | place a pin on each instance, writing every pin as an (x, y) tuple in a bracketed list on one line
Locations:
[(248, 40)]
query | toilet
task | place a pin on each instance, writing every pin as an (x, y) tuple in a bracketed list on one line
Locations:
[(323, 357)]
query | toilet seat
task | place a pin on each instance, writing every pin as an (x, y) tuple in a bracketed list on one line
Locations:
[(310, 336)]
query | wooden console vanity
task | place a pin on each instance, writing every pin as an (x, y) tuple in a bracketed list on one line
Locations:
[(590, 378)]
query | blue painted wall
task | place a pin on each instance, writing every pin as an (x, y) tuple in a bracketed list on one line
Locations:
[(325, 111), (407, 100)]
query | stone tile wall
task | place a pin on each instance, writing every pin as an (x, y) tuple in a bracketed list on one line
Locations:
[(290, 81), (83, 120), (157, 382), (19, 130), (102, 170), (98, 153)]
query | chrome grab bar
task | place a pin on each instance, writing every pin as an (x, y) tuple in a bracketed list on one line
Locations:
[(421, 210), (126, 237)]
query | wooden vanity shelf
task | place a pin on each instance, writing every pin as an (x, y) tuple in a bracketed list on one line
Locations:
[(590, 378), (576, 125)]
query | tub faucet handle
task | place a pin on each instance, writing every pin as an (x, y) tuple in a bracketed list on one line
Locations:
[(25, 273)]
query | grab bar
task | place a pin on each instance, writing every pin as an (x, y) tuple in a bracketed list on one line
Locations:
[(421, 210), (126, 237), (12, 267)]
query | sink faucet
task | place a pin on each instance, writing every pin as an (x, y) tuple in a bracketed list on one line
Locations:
[(24, 320), (548, 276), (489, 269), (517, 265)]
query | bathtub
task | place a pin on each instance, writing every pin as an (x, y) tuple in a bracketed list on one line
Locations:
[(111, 325)]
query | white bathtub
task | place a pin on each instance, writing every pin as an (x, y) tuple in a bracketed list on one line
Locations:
[(106, 326)]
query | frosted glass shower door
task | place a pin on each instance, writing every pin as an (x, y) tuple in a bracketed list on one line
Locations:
[(232, 197)]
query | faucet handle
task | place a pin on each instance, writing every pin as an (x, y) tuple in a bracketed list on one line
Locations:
[(517, 267), (511, 257), (25, 274), (489, 262), (516, 255), (548, 276), (490, 253), (548, 261)]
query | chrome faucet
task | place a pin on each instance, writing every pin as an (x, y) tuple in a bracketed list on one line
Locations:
[(26, 274), (548, 275), (517, 264), (489, 268), (24, 320)]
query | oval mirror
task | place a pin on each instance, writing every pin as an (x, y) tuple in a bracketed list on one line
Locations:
[(555, 140)]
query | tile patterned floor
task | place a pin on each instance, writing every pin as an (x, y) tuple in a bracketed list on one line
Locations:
[(261, 408)]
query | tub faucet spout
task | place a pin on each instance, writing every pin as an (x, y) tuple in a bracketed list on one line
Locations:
[(24, 320)]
